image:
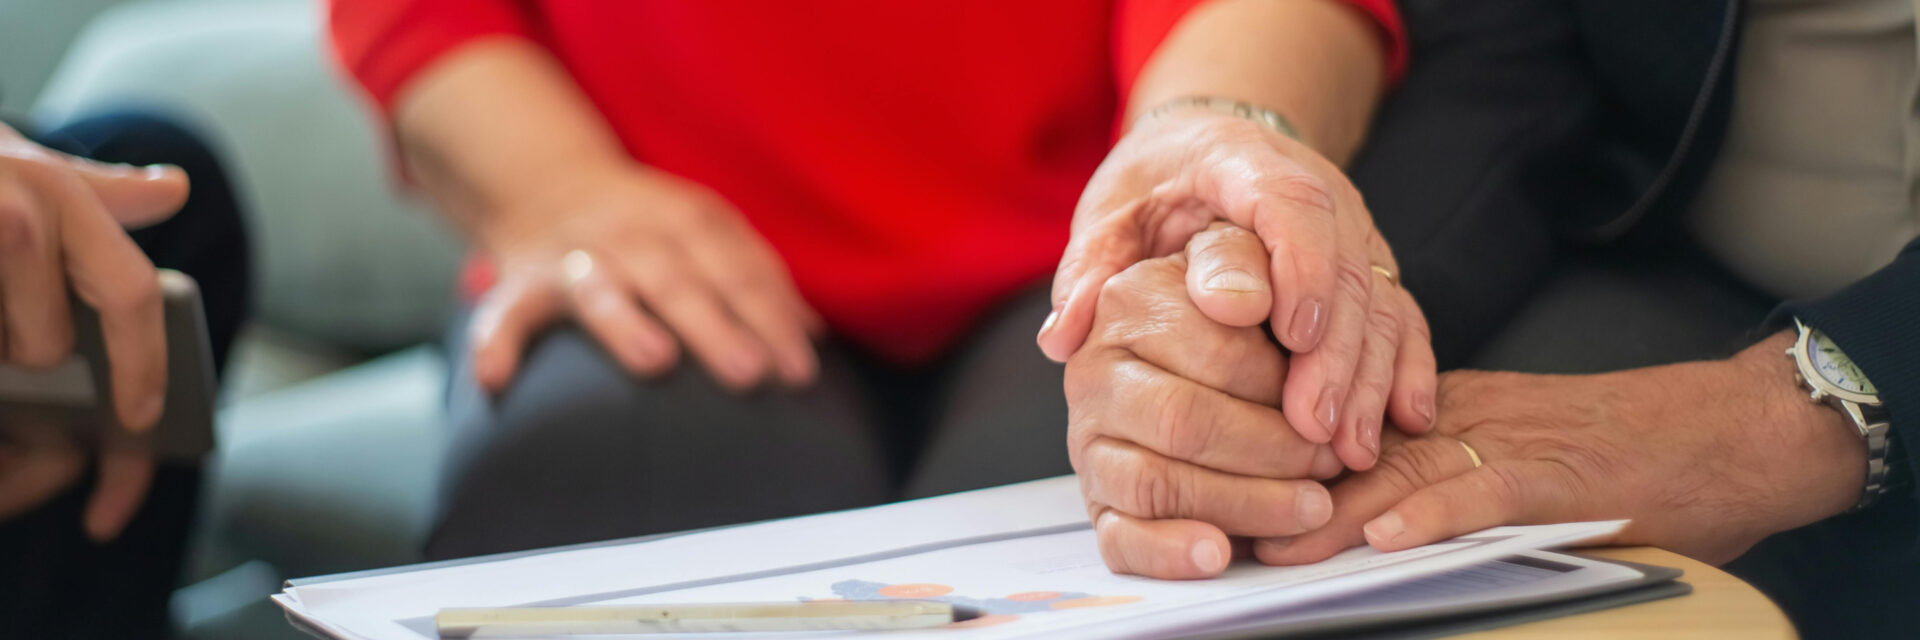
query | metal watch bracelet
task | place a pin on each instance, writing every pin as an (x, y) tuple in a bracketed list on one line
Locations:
[(1266, 117)]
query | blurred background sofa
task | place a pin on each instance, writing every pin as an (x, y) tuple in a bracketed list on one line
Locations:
[(329, 429)]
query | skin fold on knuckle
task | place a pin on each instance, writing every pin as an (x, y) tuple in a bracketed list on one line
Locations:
[(1149, 491), (1182, 424), (1299, 190)]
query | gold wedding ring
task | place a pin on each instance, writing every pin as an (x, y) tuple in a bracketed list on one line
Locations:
[(1475, 455), (1392, 280), (577, 265)]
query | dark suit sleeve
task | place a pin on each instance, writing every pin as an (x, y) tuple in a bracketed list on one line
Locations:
[(1876, 321)]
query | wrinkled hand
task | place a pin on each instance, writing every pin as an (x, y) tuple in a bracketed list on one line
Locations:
[(637, 257), (1173, 430), (1706, 458), (1361, 344), (63, 227)]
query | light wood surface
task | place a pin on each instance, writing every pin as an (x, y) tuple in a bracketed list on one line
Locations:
[(1721, 606)]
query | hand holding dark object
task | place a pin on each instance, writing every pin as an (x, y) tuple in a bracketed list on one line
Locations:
[(646, 262), (63, 224)]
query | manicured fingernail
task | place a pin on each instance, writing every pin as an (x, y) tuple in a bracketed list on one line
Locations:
[(1370, 436), (1424, 405), (1208, 557), (1307, 321), (1313, 507), (1047, 325), (1386, 528), (1233, 280), (1328, 411)]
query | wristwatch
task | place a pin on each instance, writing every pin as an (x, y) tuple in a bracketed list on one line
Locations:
[(1831, 377)]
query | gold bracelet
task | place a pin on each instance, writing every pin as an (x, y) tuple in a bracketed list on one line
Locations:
[(1266, 117)]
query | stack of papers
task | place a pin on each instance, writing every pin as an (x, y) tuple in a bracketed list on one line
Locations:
[(1022, 553)]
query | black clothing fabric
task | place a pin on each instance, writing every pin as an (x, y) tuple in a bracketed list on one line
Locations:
[(1534, 137)]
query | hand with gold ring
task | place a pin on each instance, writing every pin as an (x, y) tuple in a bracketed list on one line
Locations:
[(647, 263), (1326, 283), (1703, 479)]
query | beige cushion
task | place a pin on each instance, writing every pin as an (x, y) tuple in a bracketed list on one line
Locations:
[(1818, 184)]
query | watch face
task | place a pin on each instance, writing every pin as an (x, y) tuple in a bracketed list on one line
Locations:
[(1837, 368)]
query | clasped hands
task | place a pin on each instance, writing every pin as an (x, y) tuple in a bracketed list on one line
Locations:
[(1189, 437)]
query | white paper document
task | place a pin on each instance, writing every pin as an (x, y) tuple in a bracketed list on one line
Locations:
[(1022, 553)]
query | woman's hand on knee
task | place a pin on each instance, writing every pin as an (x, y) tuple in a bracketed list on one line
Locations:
[(647, 263)]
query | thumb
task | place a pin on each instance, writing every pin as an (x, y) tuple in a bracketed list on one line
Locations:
[(135, 196), (1227, 275)]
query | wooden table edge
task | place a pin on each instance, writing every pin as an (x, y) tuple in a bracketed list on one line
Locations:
[(1721, 606)]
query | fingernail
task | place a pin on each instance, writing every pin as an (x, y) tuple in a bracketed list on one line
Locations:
[(1313, 507), (1047, 325), (1370, 436), (156, 171), (1306, 324), (1207, 556), (1424, 405), (1233, 280), (1386, 528), (1328, 411), (1275, 545)]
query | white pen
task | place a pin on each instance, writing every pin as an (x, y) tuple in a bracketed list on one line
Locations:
[(699, 618)]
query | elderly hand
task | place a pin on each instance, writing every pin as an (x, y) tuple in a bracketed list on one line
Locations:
[(1172, 425), (1360, 343), (632, 253), (1706, 458), (63, 227)]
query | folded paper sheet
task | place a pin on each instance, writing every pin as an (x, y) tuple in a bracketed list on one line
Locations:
[(1024, 553)]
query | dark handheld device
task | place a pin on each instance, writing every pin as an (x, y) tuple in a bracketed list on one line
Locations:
[(77, 394)]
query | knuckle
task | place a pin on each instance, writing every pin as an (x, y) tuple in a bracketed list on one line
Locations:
[(1383, 322), (1353, 279), (1180, 428), (1127, 288), (130, 295), (1152, 492), (1374, 386), (1416, 464), (1427, 460), (1300, 190)]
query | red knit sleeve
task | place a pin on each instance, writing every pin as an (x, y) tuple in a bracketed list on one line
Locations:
[(383, 43), (1140, 26)]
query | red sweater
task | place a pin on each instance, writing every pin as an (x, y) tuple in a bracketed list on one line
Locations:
[(913, 162)]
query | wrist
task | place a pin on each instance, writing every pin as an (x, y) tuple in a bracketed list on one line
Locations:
[(1822, 456), (520, 211)]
